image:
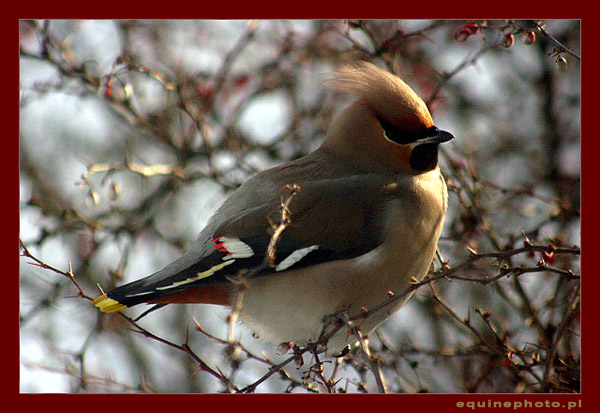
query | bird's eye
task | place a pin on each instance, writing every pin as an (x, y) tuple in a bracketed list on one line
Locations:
[(396, 135), (387, 135)]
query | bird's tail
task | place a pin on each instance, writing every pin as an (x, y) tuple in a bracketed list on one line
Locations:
[(187, 280), (108, 305), (126, 296)]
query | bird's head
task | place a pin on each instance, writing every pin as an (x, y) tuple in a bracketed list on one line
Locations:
[(388, 117)]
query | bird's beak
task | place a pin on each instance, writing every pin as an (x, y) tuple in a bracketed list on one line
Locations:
[(436, 136)]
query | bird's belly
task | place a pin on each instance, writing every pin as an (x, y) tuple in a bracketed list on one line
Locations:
[(291, 306)]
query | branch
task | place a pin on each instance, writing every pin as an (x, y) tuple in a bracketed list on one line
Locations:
[(571, 311), (447, 272), (181, 347), (136, 327), (283, 224), (560, 46), (372, 362), (69, 274)]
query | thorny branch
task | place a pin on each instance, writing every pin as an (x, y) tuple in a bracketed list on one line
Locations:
[(560, 46), (332, 326), (450, 273), (135, 326), (278, 229), (69, 274), (364, 346)]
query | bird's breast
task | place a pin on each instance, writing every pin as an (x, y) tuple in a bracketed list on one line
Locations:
[(414, 221)]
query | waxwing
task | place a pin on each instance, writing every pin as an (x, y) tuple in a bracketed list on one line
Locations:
[(342, 228)]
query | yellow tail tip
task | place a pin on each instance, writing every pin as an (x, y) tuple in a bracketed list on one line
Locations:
[(108, 305)]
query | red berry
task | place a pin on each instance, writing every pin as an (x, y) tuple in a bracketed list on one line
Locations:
[(549, 257), (471, 27), (462, 35), (528, 37), (561, 63), (507, 41), (508, 361), (241, 81), (108, 92)]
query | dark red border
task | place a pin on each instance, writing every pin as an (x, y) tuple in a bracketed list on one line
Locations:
[(305, 403)]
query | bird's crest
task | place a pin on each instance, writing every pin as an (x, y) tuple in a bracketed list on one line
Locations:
[(385, 93)]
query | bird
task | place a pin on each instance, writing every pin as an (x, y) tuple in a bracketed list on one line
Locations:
[(340, 229)]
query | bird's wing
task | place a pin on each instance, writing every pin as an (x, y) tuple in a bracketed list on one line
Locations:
[(300, 225)]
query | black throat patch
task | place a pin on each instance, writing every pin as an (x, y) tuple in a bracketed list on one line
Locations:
[(424, 157)]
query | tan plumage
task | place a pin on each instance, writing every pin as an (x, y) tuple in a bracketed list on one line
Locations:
[(387, 94), (366, 219)]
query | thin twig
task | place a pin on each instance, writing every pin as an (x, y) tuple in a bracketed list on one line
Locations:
[(181, 347), (561, 46), (372, 362), (284, 222), (68, 274), (570, 313)]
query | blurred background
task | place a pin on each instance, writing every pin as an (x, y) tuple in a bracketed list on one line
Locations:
[(133, 132)]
